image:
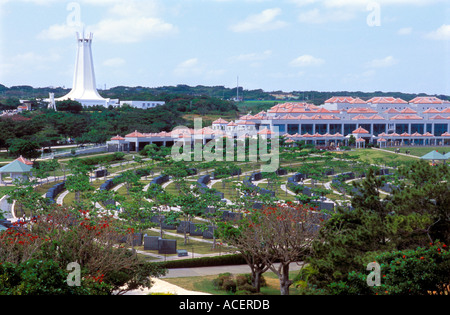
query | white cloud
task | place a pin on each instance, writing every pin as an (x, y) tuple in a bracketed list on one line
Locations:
[(307, 61), (264, 21), (364, 3), (57, 32), (28, 62), (302, 3), (316, 16), (382, 63), (131, 30), (189, 67), (129, 21), (442, 33)]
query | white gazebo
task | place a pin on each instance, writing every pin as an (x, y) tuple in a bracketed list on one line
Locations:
[(19, 169)]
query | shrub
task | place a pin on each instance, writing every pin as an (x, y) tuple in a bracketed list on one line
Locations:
[(246, 289), (229, 285), (239, 285), (242, 280), (35, 277)]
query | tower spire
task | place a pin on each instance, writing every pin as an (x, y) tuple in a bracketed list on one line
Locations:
[(84, 84)]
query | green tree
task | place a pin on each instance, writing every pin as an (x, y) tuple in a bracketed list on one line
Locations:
[(78, 182), (26, 148), (70, 106)]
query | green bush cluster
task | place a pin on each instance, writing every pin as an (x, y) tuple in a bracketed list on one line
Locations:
[(37, 277), (95, 160), (226, 171), (236, 284)]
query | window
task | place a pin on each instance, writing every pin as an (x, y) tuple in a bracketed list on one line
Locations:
[(419, 128), (307, 129), (281, 128), (401, 128), (349, 128), (439, 129), (335, 128), (293, 129), (321, 129)]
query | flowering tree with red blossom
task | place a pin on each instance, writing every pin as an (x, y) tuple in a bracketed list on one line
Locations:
[(420, 271), (65, 236), (274, 237)]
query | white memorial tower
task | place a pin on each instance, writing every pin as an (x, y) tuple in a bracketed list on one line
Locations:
[(84, 85)]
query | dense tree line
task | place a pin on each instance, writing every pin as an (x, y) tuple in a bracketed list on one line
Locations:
[(44, 127), (220, 92)]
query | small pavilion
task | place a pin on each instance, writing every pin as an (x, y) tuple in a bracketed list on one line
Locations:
[(18, 169), (434, 156)]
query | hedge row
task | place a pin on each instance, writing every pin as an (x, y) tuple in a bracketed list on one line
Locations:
[(225, 260), (95, 160)]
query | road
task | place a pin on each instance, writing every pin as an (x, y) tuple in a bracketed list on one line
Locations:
[(209, 271)]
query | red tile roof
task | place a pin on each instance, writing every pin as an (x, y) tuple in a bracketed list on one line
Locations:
[(391, 111), (360, 117), (265, 132), (438, 117), (23, 160), (360, 130), (408, 111), (246, 123), (361, 110), (135, 134), (358, 101), (376, 117), (426, 100), (220, 121), (406, 117), (386, 100), (340, 99), (432, 110)]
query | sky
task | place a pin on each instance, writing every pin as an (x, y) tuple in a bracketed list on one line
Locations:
[(287, 45)]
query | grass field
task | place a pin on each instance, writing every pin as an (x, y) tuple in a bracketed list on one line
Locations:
[(205, 284), (380, 157), (197, 247), (420, 151), (5, 190)]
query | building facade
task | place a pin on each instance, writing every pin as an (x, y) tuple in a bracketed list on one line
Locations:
[(384, 121)]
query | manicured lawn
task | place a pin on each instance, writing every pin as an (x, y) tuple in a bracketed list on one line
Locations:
[(70, 197), (376, 156), (193, 245), (420, 151), (4, 190), (205, 284), (229, 192)]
